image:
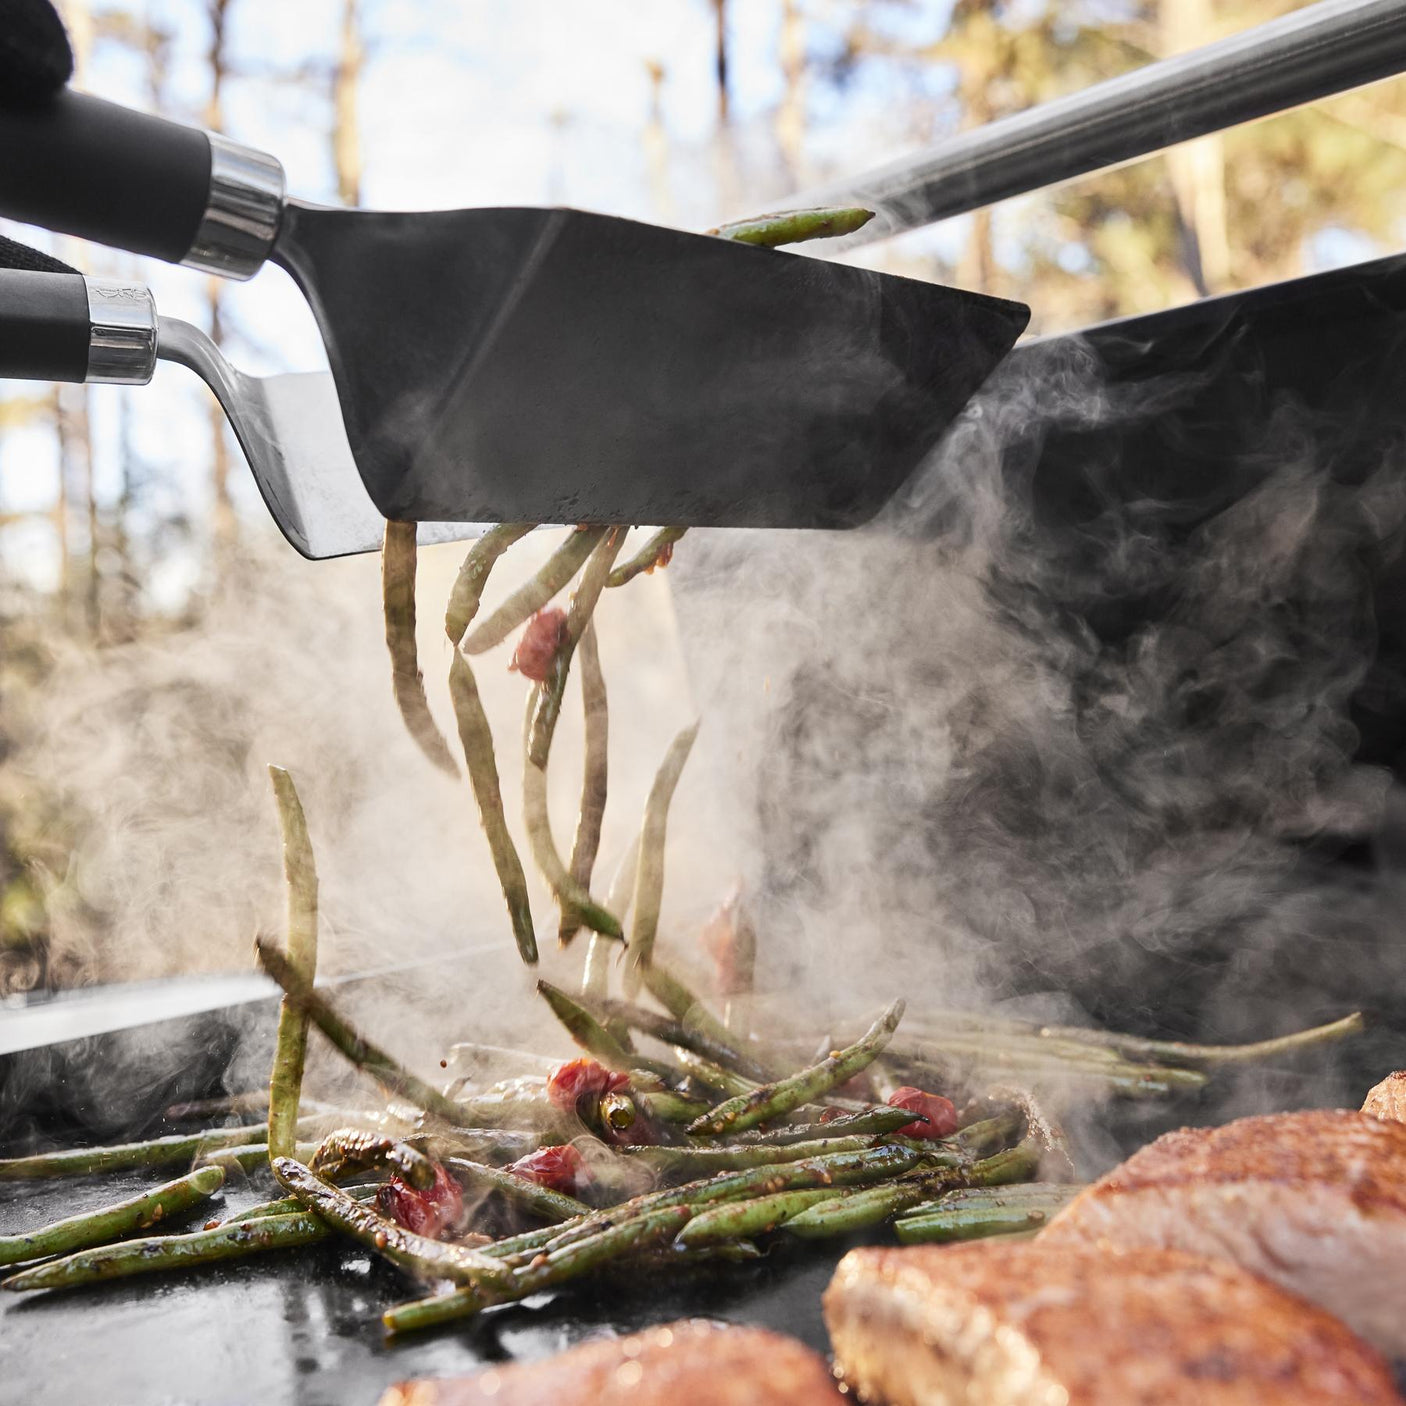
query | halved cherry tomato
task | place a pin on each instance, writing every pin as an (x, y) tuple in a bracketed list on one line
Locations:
[(941, 1113), (569, 1083), (557, 1168), (539, 644), (436, 1212)]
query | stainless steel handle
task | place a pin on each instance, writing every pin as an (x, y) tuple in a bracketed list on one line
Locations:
[(121, 332), (1322, 49)]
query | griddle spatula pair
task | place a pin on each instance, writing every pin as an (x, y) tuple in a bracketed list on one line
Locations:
[(543, 365)]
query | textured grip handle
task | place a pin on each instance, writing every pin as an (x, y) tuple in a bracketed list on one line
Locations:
[(44, 326), (82, 166)]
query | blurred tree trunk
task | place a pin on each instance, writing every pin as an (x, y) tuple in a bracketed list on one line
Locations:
[(80, 587), (346, 82), (223, 521), (725, 151), (1197, 169), (790, 122), (656, 146)]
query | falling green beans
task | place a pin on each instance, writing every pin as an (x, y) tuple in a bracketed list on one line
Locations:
[(795, 226), (473, 574), (112, 1222), (585, 1029), (596, 772), (735, 1220), (595, 976), (660, 544), (398, 599), (527, 600), (973, 1213), (300, 875), (477, 740), (539, 1200), (772, 1100), (649, 881)]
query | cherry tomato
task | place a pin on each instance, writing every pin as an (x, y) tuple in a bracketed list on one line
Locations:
[(730, 940), (582, 1078), (941, 1113), (436, 1212), (539, 644), (557, 1168)]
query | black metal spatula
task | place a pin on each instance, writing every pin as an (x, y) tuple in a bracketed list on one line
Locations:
[(546, 365)]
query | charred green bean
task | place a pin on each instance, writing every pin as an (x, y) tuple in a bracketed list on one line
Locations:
[(473, 574)]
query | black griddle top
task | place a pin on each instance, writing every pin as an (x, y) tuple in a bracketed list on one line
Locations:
[(304, 1325)]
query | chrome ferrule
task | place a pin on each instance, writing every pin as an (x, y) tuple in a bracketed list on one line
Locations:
[(121, 333), (242, 216)]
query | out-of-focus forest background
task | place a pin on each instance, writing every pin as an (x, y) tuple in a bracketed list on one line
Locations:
[(127, 521)]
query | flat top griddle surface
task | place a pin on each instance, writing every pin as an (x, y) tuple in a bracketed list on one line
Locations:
[(304, 1325)]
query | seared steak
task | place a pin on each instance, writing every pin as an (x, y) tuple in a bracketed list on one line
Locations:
[(1315, 1201), (689, 1363), (1014, 1324), (1388, 1099)]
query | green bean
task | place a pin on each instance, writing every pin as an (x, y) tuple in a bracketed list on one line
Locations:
[(876, 1121), (595, 977), (585, 1029), (596, 774), (417, 1254), (666, 1106), (527, 600), (714, 1075), (689, 1026), (569, 893), (235, 1240), (476, 737), (153, 1152), (468, 585), (300, 875), (548, 697), (698, 1160), (398, 599), (659, 545), (112, 1222), (795, 226), (248, 1156), (360, 1051), (735, 1219), (772, 1100), (649, 882), (842, 1168), (291, 1206), (1180, 1052), (544, 1272), (978, 1212), (540, 1200)]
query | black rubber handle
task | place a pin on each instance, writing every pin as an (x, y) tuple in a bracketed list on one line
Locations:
[(82, 166), (44, 326)]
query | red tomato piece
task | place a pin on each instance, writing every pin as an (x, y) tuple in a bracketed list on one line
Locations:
[(538, 646), (557, 1168), (730, 940), (436, 1213), (582, 1078), (941, 1113)]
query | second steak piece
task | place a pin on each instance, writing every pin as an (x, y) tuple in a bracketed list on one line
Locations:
[(1026, 1325), (1315, 1201)]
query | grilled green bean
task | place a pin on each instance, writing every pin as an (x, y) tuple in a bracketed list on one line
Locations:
[(666, 1106), (772, 1100), (649, 881), (544, 1272), (548, 697), (585, 1029), (417, 1254), (360, 1051), (527, 600), (570, 894), (112, 1222), (977, 1212), (876, 1121), (468, 585), (698, 1160), (233, 1240), (656, 552), (291, 1206), (595, 976), (735, 1219), (349, 1150), (300, 875), (153, 1152), (689, 1026), (398, 598), (247, 1156), (795, 226), (477, 740), (539, 1200), (596, 772)]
